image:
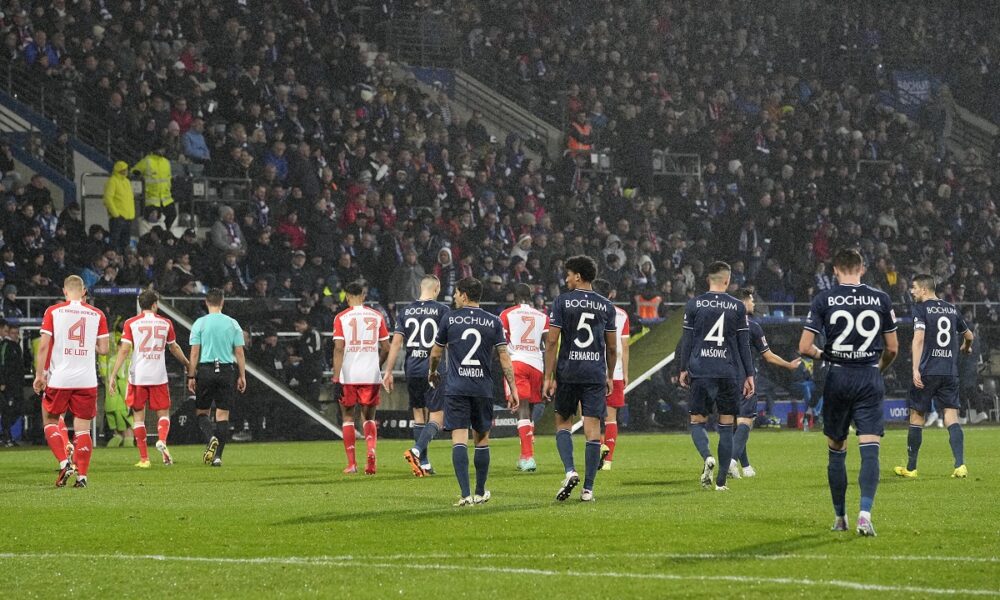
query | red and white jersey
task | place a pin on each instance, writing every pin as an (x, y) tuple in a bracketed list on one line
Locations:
[(74, 328), (361, 328), (525, 327), (622, 334), (149, 334)]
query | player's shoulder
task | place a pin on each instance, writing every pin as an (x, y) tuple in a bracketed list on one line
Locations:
[(343, 313), (57, 306), (620, 311), (877, 292), (92, 308)]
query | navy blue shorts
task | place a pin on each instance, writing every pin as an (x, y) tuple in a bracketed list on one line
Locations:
[(592, 398), (420, 391), (721, 394), (853, 395), (748, 406), (462, 412), (942, 390)]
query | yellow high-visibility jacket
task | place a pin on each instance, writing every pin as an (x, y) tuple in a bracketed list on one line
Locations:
[(118, 197), (155, 172)]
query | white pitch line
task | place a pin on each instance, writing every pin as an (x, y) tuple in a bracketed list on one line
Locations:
[(367, 562)]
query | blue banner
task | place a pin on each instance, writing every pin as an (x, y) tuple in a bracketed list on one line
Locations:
[(913, 89)]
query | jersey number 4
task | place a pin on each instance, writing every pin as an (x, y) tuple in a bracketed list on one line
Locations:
[(717, 332), (78, 332)]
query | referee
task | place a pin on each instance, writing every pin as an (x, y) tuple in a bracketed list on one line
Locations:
[(217, 362)]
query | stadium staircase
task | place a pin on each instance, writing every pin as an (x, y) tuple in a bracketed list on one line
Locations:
[(425, 45)]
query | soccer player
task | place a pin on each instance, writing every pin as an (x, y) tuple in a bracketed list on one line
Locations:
[(146, 336), (417, 326), (859, 326), (748, 406), (471, 334), (716, 363), (616, 400), (936, 327), (216, 366), (360, 345), (579, 371), (525, 328), (73, 333)]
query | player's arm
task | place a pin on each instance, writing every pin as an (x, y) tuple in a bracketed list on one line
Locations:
[(508, 374), (390, 361), (192, 366), (967, 338), (685, 353), (746, 356), (551, 357), (807, 345), (433, 362), (891, 350), (610, 357), (917, 349), (175, 349), (338, 359), (241, 365), (41, 377), (124, 347), (383, 350), (103, 345), (624, 351), (773, 359)]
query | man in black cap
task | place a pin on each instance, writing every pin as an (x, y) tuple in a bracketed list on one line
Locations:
[(11, 379)]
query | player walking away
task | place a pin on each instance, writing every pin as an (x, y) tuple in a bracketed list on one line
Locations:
[(717, 365), (579, 370), (73, 333), (859, 326), (471, 334), (748, 406), (360, 345), (616, 400), (525, 328), (936, 327), (417, 327), (217, 365), (146, 336)]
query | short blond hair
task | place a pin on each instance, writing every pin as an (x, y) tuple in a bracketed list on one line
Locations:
[(73, 283)]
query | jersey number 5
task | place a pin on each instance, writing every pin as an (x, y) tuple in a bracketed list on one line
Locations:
[(583, 325)]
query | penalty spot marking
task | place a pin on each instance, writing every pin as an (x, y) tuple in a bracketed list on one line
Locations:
[(350, 560)]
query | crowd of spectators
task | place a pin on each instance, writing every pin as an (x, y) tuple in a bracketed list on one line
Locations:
[(357, 174)]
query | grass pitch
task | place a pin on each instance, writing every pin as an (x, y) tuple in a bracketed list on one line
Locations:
[(281, 520)]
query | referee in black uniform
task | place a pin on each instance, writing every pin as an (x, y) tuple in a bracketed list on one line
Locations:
[(216, 370)]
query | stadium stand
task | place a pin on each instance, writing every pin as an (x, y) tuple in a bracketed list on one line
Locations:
[(353, 172)]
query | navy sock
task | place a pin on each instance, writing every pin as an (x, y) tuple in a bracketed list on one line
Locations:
[(740, 445), (593, 458), (482, 462), (836, 474), (725, 452), (205, 425), (418, 428), (700, 438), (460, 458), (957, 440), (868, 478), (564, 443), (913, 440), (537, 411), (430, 430), (221, 432)]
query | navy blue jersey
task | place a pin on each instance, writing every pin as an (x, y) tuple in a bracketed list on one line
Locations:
[(582, 317), (418, 324), (852, 318), (758, 343), (942, 325), (716, 338), (470, 334)]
